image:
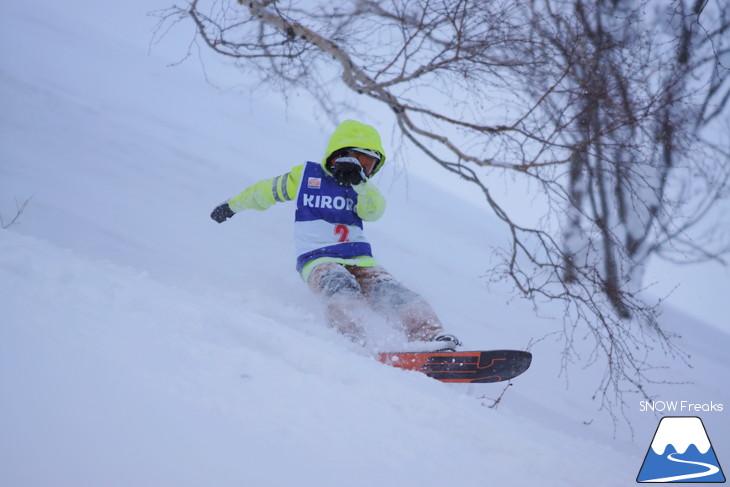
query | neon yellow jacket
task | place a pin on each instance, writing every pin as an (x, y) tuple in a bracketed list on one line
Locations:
[(267, 192), (370, 202)]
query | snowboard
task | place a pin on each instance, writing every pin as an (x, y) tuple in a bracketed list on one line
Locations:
[(473, 367)]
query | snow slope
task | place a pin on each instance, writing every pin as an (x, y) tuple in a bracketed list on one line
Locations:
[(143, 344)]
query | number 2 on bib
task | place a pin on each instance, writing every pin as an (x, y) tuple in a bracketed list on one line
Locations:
[(343, 232)]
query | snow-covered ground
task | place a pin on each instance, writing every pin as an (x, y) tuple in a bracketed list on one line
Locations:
[(143, 344)]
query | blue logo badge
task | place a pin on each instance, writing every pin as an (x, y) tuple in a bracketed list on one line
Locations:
[(681, 452)]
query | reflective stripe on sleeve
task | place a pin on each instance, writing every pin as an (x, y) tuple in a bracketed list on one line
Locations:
[(284, 191), (278, 187), (275, 189)]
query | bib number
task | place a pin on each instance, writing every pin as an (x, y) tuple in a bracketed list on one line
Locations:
[(343, 232)]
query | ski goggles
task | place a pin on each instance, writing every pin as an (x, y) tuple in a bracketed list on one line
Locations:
[(368, 152)]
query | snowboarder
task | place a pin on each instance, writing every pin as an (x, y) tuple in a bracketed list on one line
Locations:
[(334, 198)]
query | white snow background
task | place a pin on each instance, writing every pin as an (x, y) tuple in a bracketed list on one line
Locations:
[(142, 344)]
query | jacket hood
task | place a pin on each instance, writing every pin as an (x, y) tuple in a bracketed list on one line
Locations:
[(351, 133)]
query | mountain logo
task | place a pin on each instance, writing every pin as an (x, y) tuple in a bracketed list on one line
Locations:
[(681, 452)]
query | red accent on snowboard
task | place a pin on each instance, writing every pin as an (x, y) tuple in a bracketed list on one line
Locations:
[(476, 366)]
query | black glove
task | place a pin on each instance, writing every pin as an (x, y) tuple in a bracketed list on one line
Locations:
[(348, 172), (222, 213)]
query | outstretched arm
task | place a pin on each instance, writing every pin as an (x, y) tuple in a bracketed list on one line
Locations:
[(262, 195)]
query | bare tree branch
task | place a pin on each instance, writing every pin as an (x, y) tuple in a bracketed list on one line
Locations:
[(20, 207)]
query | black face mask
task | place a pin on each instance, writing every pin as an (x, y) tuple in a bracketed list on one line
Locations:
[(348, 171)]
